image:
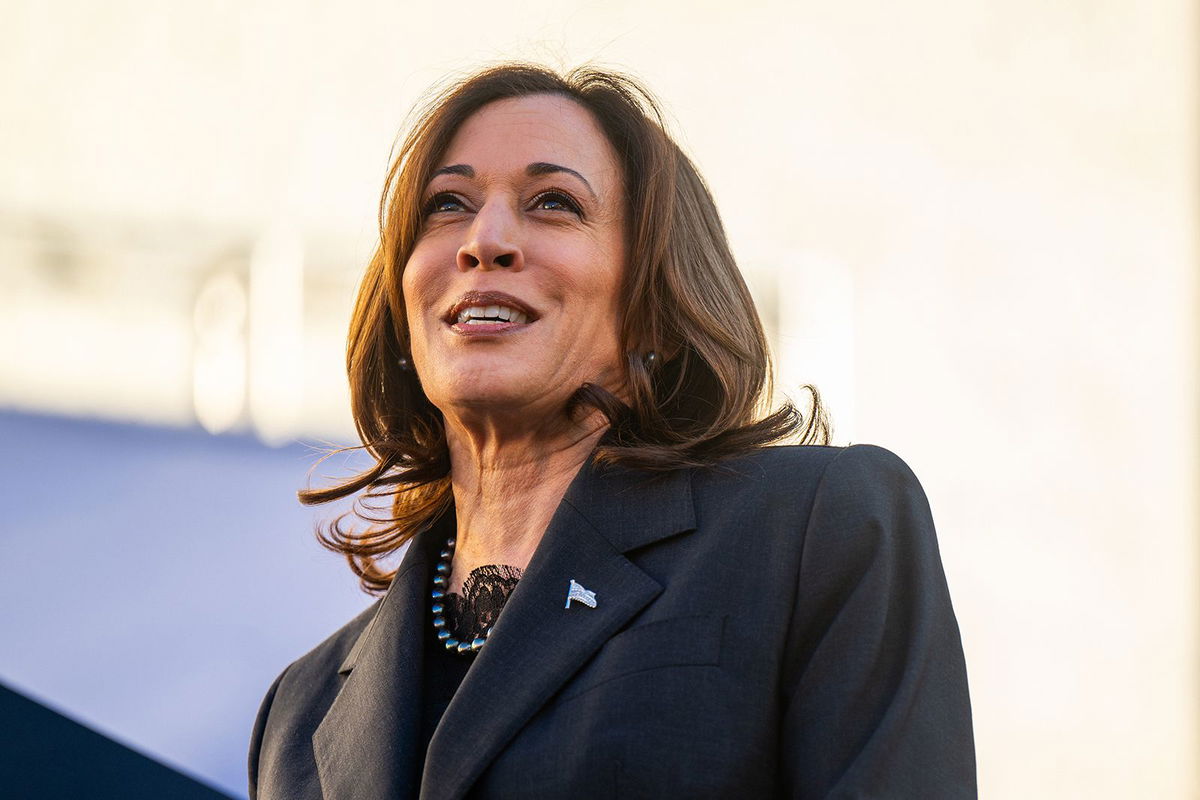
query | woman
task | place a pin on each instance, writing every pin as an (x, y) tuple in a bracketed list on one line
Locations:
[(614, 587)]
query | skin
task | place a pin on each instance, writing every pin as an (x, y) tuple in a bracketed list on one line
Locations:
[(556, 243)]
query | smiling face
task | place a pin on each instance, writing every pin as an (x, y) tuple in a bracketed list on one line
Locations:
[(511, 290)]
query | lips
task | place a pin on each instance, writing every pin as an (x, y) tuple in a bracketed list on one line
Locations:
[(488, 310)]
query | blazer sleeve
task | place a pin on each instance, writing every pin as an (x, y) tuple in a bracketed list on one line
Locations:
[(874, 684), (256, 737)]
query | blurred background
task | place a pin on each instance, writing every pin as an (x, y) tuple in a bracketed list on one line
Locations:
[(974, 225)]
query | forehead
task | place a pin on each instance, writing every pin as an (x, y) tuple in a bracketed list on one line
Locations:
[(508, 135)]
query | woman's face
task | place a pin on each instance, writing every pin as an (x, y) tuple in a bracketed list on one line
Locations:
[(511, 290)]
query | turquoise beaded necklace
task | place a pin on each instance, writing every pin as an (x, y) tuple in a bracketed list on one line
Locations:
[(441, 580)]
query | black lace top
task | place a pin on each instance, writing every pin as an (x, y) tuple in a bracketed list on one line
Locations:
[(484, 592), (467, 615)]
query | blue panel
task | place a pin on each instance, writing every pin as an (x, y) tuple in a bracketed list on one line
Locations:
[(154, 581)]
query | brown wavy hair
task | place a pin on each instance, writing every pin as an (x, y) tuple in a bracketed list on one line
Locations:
[(703, 396)]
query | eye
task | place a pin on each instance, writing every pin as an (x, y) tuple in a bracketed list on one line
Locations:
[(556, 201), (443, 202)]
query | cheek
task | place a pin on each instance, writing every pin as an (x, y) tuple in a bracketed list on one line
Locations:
[(420, 285), (409, 287), (609, 276), (599, 290)]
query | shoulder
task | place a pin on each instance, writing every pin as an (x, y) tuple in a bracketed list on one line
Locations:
[(327, 657), (865, 510), (854, 501), (811, 456), (797, 472), (295, 704), (311, 681)]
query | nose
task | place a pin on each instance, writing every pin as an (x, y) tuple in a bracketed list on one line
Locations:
[(492, 241)]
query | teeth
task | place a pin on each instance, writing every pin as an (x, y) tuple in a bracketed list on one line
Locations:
[(480, 315)]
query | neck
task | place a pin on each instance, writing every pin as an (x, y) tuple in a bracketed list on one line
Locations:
[(507, 485)]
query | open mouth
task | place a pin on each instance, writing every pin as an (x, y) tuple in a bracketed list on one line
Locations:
[(488, 311), (481, 315)]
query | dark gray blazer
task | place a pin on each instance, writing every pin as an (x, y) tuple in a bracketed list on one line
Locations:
[(778, 626)]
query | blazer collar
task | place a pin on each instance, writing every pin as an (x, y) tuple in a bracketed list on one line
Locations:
[(365, 745), (632, 509)]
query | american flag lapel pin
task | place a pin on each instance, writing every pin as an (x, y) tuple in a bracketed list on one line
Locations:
[(577, 592)]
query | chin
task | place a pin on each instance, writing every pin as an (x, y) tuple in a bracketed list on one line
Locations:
[(489, 390)]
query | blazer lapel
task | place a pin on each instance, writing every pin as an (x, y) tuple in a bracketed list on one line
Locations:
[(539, 642), (366, 745)]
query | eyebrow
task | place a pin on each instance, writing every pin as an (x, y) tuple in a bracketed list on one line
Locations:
[(545, 168), (455, 169), (534, 170)]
